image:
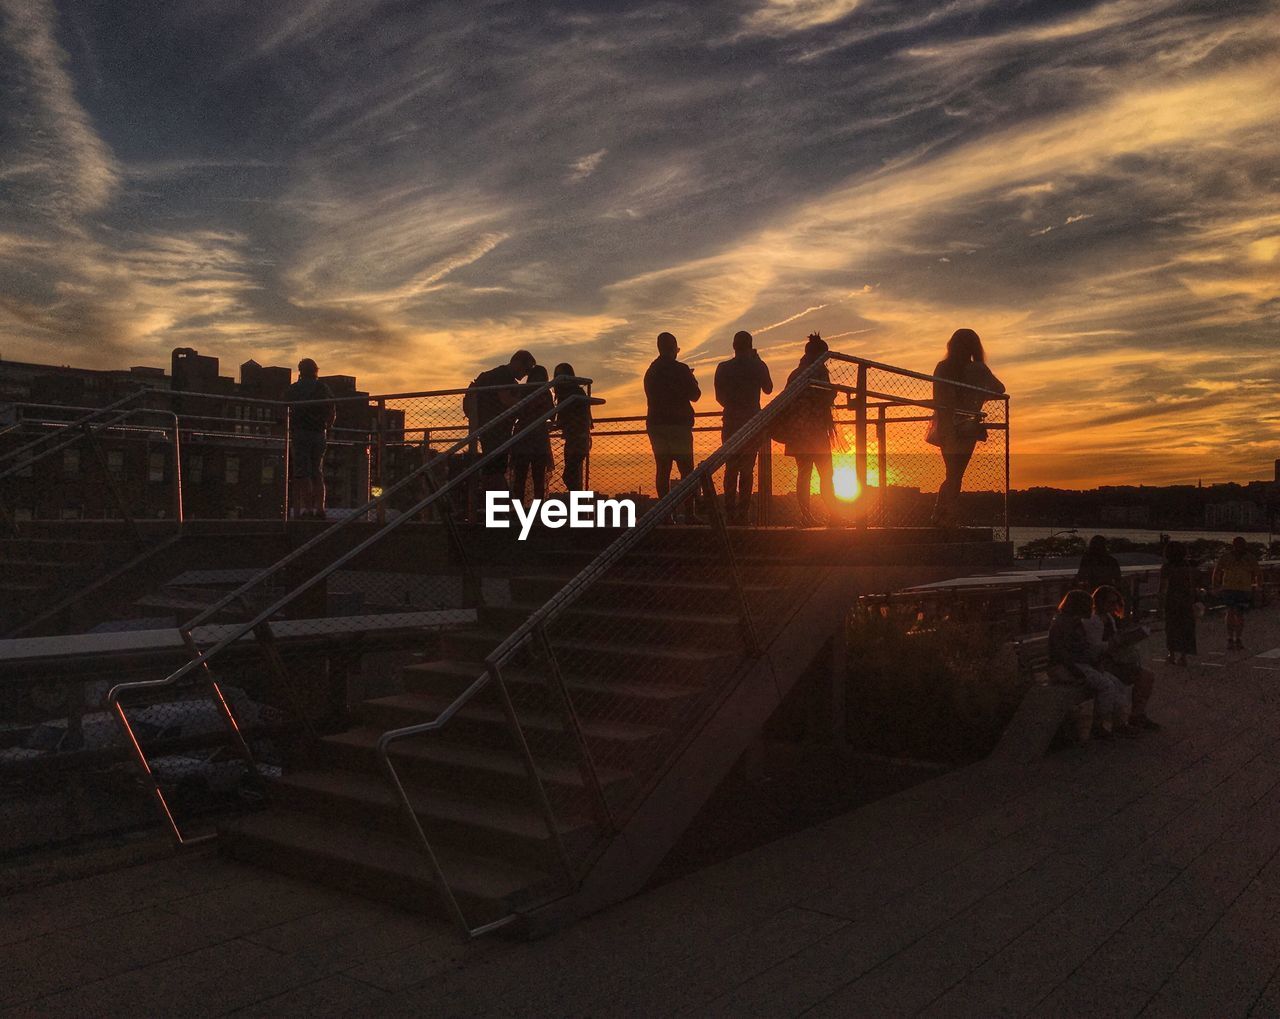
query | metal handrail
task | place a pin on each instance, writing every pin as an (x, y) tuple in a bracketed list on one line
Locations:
[(77, 423), (201, 658), (689, 487)]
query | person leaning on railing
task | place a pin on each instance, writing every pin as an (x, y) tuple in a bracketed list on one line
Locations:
[(806, 430), (670, 390), (957, 426), (490, 393), (309, 423)]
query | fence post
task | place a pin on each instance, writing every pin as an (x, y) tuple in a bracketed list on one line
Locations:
[(288, 464), (764, 504), (882, 465), (1008, 439), (178, 506), (860, 445), (380, 453)]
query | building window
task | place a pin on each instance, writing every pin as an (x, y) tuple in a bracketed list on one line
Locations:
[(115, 463), (70, 462), (195, 469), (231, 470), (155, 466), (71, 513), (268, 472)]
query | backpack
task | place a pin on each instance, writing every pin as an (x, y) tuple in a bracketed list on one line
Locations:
[(471, 401)]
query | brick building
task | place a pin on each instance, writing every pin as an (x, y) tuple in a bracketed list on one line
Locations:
[(231, 437)]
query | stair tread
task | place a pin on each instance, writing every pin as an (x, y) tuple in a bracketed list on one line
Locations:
[(688, 654), (432, 704), (625, 612), (388, 852), (661, 583), (459, 754), (631, 688), (442, 804)]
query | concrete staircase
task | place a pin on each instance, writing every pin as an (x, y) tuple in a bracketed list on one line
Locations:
[(666, 697)]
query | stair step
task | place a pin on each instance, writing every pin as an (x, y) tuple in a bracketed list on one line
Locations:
[(662, 592), (653, 662), (486, 725), (591, 696), (491, 772), (382, 865), (645, 624), (507, 829)]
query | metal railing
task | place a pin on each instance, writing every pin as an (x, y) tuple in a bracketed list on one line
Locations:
[(752, 618), (259, 625)]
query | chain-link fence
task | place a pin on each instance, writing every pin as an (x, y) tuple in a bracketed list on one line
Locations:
[(604, 674)]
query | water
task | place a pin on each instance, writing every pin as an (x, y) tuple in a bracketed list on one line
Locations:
[(1021, 535)]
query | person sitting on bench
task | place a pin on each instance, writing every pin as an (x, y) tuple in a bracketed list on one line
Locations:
[(1115, 638), (1072, 660)]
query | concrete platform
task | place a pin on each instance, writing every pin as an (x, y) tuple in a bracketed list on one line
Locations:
[(1120, 878)]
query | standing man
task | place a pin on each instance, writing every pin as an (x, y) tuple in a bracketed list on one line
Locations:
[(671, 389), (311, 415), (484, 404), (739, 383), (1235, 576)]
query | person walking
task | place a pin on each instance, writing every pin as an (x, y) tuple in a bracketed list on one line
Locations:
[(531, 454), (311, 416), (490, 393), (1236, 576), (807, 429), (670, 390), (957, 428), (1178, 603), (739, 383), (574, 421)]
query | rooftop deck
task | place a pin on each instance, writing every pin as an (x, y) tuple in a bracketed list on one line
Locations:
[(1114, 878)]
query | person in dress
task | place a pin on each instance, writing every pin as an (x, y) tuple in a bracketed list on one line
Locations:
[(1178, 603), (957, 427)]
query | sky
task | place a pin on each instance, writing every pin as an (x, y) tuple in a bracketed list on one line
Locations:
[(409, 191)]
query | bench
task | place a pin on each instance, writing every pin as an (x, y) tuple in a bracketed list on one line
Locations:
[(1046, 707)]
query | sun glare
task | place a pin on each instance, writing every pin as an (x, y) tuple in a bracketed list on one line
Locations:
[(845, 481)]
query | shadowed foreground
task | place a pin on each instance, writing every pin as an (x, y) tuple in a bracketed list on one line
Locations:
[(1116, 878)]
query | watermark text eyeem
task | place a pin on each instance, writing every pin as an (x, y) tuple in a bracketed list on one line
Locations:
[(575, 509)]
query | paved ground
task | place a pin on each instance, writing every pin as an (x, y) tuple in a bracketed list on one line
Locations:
[(1116, 879)]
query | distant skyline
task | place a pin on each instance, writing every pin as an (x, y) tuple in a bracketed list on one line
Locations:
[(407, 192)]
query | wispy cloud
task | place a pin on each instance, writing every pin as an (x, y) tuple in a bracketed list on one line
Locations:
[(416, 190)]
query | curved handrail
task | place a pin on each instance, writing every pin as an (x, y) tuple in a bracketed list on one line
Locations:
[(241, 630)]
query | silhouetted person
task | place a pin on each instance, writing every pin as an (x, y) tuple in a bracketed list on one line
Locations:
[(531, 454), (1098, 567), (807, 433), (575, 427), (739, 382), (1073, 658), (1115, 638), (670, 389), (309, 424), (1235, 576), (1178, 600), (957, 427), (485, 404)]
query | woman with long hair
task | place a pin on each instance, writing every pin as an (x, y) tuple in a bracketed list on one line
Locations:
[(957, 417), (808, 432), (575, 423)]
